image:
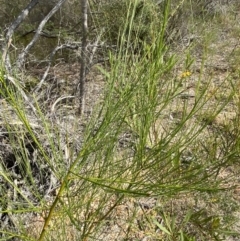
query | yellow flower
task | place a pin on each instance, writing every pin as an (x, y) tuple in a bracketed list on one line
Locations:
[(186, 74)]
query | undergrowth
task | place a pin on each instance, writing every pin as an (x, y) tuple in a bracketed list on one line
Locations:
[(149, 163)]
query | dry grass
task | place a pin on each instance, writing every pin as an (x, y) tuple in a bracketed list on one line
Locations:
[(215, 75)]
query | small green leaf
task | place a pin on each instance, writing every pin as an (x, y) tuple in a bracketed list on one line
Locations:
[(161, 227)]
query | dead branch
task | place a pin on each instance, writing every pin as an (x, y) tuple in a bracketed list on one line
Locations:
[(60, 99), (83, 55), (74, 46), (21, 91), (10, 32), (63, 46), (94, 49), (22, 56)]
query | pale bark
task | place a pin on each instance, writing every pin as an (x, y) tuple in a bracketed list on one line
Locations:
[(10, 32), (84, 5), (63, 46), (22, 56)]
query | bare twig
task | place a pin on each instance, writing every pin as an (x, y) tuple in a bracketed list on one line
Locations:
[(10, 32), (63, 46), (83, 55), (21, 57), (60, 99), (94, 49), (75, 45), (14, 82)]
